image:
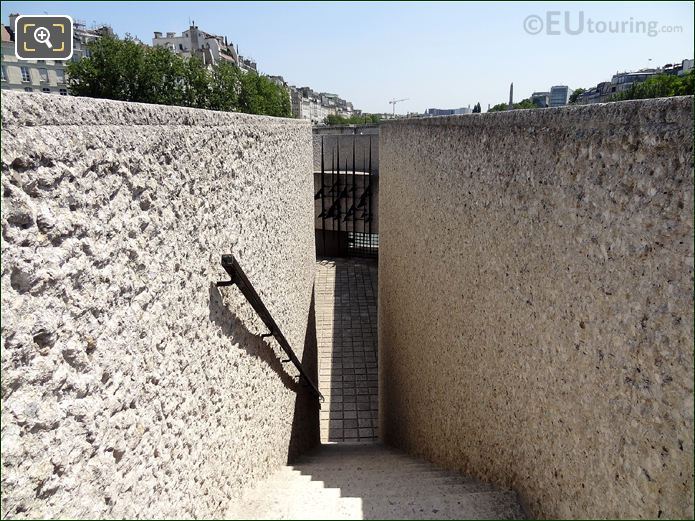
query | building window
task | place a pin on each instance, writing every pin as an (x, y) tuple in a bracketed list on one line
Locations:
[(4, 73), (60, 73), (46, 90), (43, 74), (26, 76), (63, 92), (28, 89)]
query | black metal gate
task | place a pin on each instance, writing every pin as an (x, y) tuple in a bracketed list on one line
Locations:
[(345, 213)]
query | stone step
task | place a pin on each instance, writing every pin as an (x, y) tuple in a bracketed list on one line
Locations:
[(378, 467), (369, 481), (383, 475), (293, 485), (483, 505), (299, 508), (358, 487), (486, 505), (363, 465)]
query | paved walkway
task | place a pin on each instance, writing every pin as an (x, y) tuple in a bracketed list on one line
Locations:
[(346, 326)]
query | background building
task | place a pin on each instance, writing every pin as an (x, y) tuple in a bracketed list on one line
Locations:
[(622, 81), (599, 94), (559, 95), (316, 106), (210, 48), (541, 99), (448, 112), (47, 76)]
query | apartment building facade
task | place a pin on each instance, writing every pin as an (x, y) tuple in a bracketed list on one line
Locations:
[(211, 48), (317, 106), (46, 76)]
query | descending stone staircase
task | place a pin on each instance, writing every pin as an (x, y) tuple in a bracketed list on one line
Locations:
[(371, 481)]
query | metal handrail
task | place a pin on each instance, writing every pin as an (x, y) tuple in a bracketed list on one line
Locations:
[(238, 277)]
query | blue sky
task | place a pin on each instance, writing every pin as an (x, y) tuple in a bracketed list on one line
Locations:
[(436, 54)]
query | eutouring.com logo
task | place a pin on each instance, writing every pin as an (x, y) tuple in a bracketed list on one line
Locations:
[(555, 23)]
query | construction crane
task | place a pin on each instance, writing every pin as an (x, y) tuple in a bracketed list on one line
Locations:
[(394, 101)]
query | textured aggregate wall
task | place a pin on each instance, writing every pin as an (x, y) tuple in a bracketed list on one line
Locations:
[(535, 302), (131, 385)]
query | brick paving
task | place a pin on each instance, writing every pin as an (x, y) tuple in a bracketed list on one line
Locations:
[(346, 326)]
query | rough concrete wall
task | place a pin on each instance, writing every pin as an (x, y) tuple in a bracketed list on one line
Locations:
[(132, 386), (535, 303)]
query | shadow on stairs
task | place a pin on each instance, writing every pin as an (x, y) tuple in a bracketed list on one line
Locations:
[(371, 481)]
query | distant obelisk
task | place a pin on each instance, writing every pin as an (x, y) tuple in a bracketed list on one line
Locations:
[(511, 96)]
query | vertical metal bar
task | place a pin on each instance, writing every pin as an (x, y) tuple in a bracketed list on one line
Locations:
[(345, 191), (333, 185), (354, 195), (323, 195), (364, 187), (337, 186), (370, 190)]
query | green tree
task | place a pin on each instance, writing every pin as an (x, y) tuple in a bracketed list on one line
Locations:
[(196, 84), (574, 97), (523, 104), (161, 78), (362, 119), (259, 95), (225, 87), (249, 96), (476, 108), (660, 86), (128, 71), (114, 71)]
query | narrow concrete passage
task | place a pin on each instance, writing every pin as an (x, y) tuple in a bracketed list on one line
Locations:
[(360, 478), (346, 327)]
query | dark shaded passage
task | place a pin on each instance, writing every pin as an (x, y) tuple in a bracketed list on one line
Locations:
[(346, 314)]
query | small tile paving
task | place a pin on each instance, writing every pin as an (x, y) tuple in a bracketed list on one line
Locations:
[(346, 327)]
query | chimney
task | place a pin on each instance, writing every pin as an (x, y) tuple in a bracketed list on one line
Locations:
[(13, 21), (193, 35), (157, 34)]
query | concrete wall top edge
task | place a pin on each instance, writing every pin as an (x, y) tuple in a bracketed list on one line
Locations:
[(38, 109), (607, 112), (330, 128)]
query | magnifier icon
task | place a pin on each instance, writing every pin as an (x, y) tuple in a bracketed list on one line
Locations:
[(42, 35)]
